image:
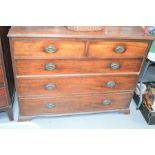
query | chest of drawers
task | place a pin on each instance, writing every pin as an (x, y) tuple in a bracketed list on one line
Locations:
[(61, 72), (6, 74)]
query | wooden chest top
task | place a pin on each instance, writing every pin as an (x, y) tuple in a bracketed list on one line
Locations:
[(114, 32)]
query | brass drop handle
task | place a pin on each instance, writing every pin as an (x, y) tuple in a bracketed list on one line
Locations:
[(115, 65), (106, 102), (111, 84), (120, 49), (50, 86), (50, 105), (50, 49), (50, 67)]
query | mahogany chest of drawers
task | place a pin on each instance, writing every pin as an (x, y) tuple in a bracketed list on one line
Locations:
[(62, 72), (6, 74)]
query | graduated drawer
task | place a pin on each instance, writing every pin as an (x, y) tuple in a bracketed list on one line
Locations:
[(59, 86), (52, 67), (117, 49), (48, 48), (1, 76), (3, 97), (74, 104)]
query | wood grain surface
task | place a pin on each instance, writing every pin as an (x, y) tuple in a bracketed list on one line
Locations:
[(3, 97), (76, 49), (103, 49), (114, 32), (74, 104), (82, 68), (39, 67), (75, 85), (1, 76), (36, 48)]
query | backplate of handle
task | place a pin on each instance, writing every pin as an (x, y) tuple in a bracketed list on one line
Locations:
[(50, 105), (111, 84), (106, 102), (50, 66), (50, 86), (115, 65), (120, 49), (50, 49)]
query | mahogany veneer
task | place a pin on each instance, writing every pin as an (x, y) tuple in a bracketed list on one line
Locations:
[(62, 72), (38, 67)]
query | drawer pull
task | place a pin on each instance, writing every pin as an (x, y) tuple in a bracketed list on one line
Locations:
[(50, 49), (111, 84), (106, 102), (120, 49), (50, 67), (115, 65), (50, 105), (50, 86)]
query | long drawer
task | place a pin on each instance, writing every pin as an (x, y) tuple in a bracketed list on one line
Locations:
[(52, 67), (74, 104), (3, 97), (59, 86), (117, 49)]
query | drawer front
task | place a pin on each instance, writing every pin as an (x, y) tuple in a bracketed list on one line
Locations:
[(118, 49), (75, 85), (52, 67), (47, 48), (3, 97), (1, 76), (76, 104)]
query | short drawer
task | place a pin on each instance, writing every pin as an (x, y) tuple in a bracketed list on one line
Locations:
[(59, 86), (48, 48), (74, 104), (1, 76), (117, 49), (3, 97), (52, 67)]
